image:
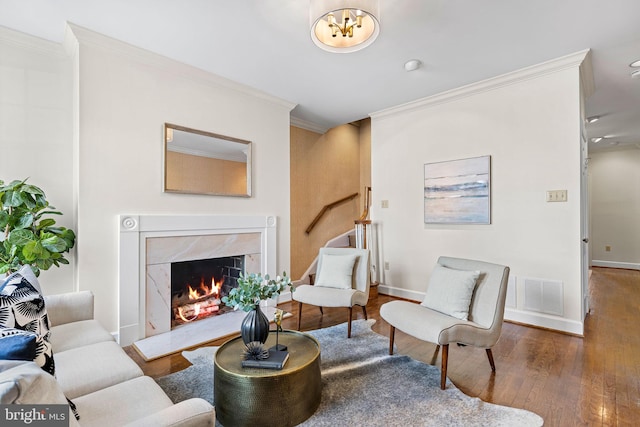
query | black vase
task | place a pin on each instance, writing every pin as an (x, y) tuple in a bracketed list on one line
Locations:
[(255, 326)]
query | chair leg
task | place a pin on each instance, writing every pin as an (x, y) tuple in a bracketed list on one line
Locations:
[(443, 374), (392, 337), (491, 362), (349, 322), (364, 311), (299, 314), (321, 310)]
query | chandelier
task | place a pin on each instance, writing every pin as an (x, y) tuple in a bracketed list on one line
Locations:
[(344, 26)]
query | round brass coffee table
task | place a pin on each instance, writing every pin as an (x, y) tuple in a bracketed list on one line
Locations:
[(267, 397)]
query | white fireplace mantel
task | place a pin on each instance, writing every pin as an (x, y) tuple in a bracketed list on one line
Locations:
[(136, 229)]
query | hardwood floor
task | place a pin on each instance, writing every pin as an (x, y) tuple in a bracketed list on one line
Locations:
[(568, 380)]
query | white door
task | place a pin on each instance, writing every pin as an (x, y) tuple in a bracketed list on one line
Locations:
[(584, 222)]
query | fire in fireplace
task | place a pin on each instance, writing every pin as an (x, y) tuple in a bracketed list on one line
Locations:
[(198, 286)]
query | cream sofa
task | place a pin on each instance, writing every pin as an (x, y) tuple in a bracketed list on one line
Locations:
[(93, 371)]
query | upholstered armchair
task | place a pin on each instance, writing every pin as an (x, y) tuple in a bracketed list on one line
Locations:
[(342, 280), (464, 304)]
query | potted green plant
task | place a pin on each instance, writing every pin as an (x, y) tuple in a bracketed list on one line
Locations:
[(253, 288), (30, 237)]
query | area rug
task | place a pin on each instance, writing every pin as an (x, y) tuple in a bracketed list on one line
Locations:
[(363, 385)]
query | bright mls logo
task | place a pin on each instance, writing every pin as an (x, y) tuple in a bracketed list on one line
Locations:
[(34, 415)]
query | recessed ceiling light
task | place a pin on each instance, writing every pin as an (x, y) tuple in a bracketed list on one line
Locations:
[(593, 119), (635, 64)]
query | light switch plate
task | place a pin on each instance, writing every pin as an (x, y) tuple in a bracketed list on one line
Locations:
[(557, 196)]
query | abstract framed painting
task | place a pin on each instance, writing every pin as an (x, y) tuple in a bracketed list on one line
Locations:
[(458, 191)]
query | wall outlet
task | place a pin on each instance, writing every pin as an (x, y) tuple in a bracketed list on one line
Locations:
[(607, 248), (386, 265), (385, 204)]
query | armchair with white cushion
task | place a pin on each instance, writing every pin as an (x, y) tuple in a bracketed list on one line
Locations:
[(464, 304), (342, 280)]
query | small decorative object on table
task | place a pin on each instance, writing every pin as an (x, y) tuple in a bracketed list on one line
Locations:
[(255, 351), (252, 288), (275, 360), (277, 318)]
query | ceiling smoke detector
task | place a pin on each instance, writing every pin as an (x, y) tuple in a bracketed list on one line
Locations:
[(412, 65)]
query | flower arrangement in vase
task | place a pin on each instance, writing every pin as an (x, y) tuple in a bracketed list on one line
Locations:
[(253, 288)]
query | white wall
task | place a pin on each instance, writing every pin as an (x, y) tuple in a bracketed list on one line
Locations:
[(528, 122), (36, 130), (126, 94), (615, 208)]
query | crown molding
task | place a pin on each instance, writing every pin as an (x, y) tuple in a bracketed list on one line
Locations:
[(26, 41), (573, 60), (304, 124), (86, 37)]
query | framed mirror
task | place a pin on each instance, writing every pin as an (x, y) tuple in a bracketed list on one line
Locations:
[(199, 162)]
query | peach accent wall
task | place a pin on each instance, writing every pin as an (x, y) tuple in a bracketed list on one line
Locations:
[(325, 168)]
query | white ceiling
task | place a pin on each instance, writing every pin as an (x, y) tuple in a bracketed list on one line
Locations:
[(266, 44)]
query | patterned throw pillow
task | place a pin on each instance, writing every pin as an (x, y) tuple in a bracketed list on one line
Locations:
[(22, 307), (16, 344)]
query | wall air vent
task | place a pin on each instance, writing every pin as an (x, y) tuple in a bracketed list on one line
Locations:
[(544, 296)]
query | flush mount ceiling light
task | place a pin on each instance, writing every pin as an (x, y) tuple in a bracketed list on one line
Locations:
[(593, 119), (635, 64), (596, 139), (344, 26)]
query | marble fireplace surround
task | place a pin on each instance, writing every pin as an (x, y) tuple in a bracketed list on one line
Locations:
[(149, 243)]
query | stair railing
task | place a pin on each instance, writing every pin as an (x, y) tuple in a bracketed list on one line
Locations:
[(327, 208)]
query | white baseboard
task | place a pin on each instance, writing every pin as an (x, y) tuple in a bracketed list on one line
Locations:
[(128, 335), (615, 264), (401, 293), (544, 321)]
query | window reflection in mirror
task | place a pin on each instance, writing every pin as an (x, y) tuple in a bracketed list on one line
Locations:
[(199, 162)]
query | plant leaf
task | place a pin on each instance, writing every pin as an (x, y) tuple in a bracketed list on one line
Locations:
[(28, 200), (13, 184), (53, 243), (4, 219), (12, 199), (32, 250), (21, 237), (44, 264), (32, 189), (25, 221), (48, 222)]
